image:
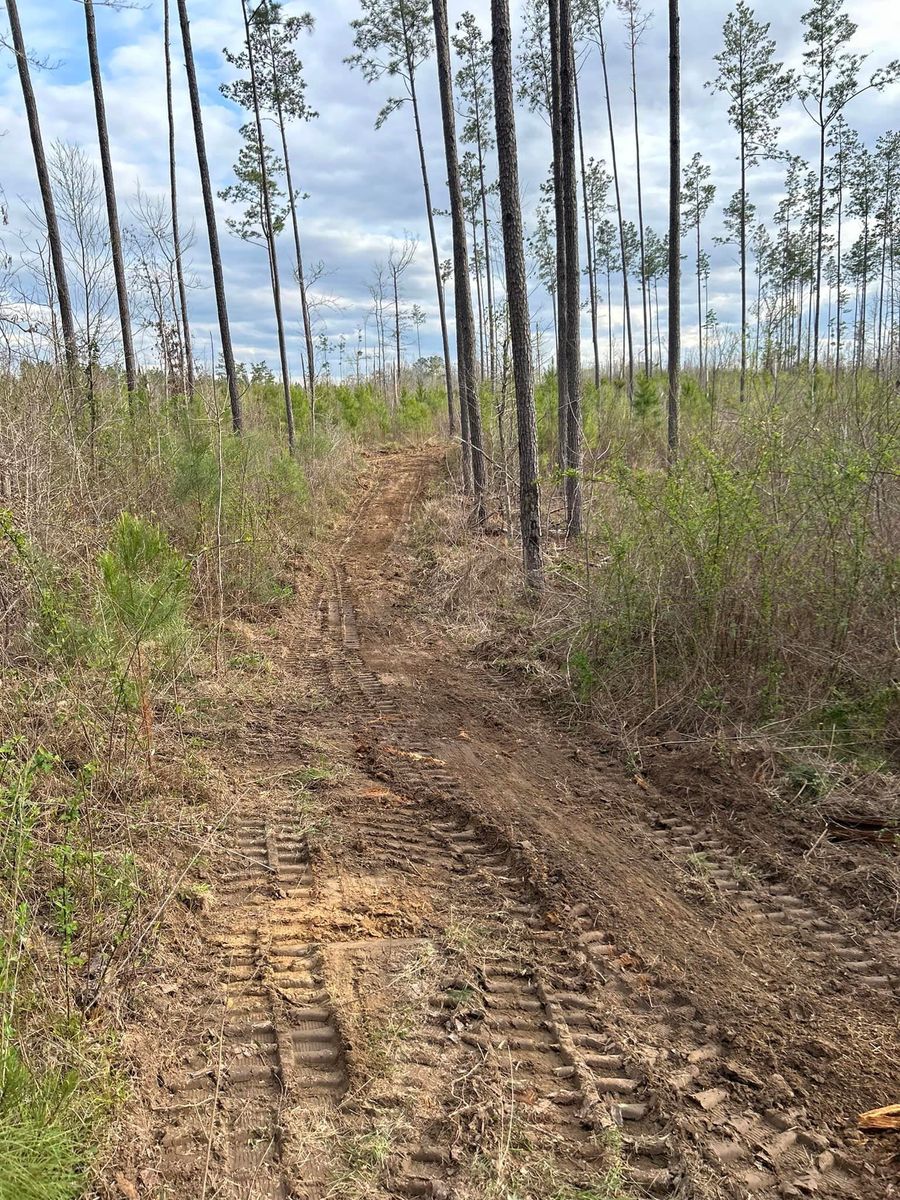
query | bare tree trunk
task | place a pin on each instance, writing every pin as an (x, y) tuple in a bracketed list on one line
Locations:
[(612, 152), (112, 211), (395, 281), (479, 300), (63, 298), (426, 187), (589, 249), (298, 250), (559, 217), (270, 237), (820, 223), (648, 365), (187, 347), (517, 297), (674, 231), (237, 417), (742, 237), (492, 332), (700, 321), (465, 324), (573, 275)]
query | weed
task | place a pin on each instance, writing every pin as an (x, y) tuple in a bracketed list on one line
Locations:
[(320, 774), (699, 865), (43, 1131), (198, 896)]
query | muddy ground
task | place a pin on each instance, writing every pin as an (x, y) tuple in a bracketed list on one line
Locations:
[(443, 947)]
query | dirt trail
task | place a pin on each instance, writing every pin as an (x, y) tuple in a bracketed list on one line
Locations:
[(481, 962)]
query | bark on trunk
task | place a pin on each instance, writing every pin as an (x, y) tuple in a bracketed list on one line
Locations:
[(465, 324), (187, 349), (298, 250), (63, 298), (648, 365), (674, 230), (562, 390), (589, 249), (573, 275), (439, 283), (269, 232), (212, 233), (112, 210), (612, 151), (517, 296)]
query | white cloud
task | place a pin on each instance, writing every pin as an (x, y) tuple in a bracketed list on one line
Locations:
[(365, 186)]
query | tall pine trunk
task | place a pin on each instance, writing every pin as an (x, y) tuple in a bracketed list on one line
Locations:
[(488, 273), (588, 241), (465, 324), (439, 283), (112, 210), (298, 249), (674, 347), (562, 391), (397, 349), (57, 258), (187, 349), (517, 296), (573, 275), (212, 233), (700, 320), (269, 232), (612, 151), (645, 305), (742, 238), (820, 222)]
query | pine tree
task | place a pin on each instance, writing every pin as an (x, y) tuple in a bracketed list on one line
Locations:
[(265, 212), (597, 183), (591, 21), (392, 39), (636, 22), (517, 296), (473, 81), (674, 347), (187, 351), (281, 92), (465, 325), (697, 195), (569, 209), (829, 81), (757, 86), (255, 143), (112, 210), (237, 417), (57, 257)]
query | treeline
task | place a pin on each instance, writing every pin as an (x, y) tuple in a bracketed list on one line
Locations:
[(817, 281)]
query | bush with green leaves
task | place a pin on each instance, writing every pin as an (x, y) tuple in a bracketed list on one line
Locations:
[(759, 570)]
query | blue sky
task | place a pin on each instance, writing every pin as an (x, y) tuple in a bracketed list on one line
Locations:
[(364, 186)]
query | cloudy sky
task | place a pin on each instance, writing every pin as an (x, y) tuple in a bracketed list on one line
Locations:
[(364, 186)]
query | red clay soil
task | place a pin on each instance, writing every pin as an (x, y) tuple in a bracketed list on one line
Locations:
[(451, 949)]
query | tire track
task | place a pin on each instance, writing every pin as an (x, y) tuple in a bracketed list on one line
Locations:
[(783, 913), (555, 1029), (271, 1037)]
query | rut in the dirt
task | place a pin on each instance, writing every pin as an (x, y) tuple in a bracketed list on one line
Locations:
[(423, 1008)]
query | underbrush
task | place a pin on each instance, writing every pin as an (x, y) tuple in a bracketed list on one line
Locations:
[(130, 544), (754, 586)]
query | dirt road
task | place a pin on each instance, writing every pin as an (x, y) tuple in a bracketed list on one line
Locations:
[(454, 951)]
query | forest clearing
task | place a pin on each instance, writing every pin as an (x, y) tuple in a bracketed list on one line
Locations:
[(449, 715)]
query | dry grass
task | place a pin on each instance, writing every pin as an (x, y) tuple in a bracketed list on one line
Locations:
[(99, 843), (751, 590)]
